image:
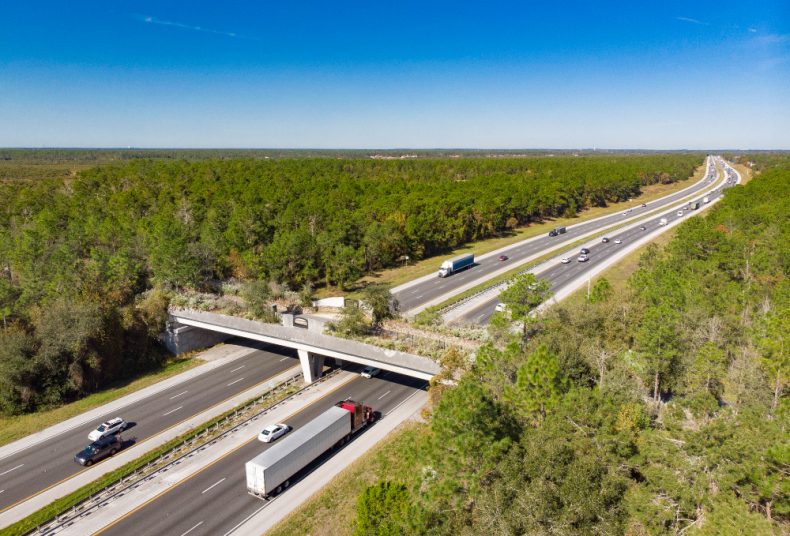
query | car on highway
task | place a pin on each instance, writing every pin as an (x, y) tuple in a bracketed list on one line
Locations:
[(500, 308), (604, 240), (642, 228), (503, 257), (565, 260), (680, 213), (583, 258), (369, 372), (618, 241), (625, 213), (111, 427), (644, 205), (98, 450), (584, 251), (273, 431)]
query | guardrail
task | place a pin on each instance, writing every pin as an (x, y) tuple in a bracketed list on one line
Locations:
[(203, 438)]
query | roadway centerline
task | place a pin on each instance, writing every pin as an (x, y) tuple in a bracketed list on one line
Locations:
[(172, 411), (217, 483), (12, 469), (238, 368), (179, 394), (235, 381)]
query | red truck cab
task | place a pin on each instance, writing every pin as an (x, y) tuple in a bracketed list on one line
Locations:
[(360, 414)]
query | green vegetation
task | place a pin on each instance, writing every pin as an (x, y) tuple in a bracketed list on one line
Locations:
[(88, 263), (17, 426), (59, 506), (660, 409)]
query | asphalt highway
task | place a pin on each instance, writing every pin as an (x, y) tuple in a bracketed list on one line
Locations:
[(426, 291), (31, 471), (215, 500), (561, 274)]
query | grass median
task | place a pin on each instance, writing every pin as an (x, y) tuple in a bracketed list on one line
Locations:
[(404, 274), (63, 504)]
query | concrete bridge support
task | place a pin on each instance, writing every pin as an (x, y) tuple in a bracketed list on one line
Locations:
[(312, 365)]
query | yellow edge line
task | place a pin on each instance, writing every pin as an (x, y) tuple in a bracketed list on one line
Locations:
[(141, 454), (187, 479)]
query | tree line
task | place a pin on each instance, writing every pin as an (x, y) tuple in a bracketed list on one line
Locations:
[(661, 409), (90, 257)]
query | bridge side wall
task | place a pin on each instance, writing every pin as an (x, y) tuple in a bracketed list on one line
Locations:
[(178, 338)]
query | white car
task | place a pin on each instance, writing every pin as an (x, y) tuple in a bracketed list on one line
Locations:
[(272, 432), (500, 308), (583, 258), (618, 241), (369, 372), (113, 426), (680, 212), (565, 260)]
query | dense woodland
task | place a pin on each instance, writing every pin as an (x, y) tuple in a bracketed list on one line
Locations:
[(660, 410), (86, 261)]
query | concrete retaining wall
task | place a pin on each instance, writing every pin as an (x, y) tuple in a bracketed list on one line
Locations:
[(179, 338)]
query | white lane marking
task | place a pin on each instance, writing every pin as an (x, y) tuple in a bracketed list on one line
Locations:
[(217, 483), (420, 296), (2, 490), (283, 359), (238, 368), (235, 381), (172, 411), (179, 394), (193, 528), (12, 469), (404, 401), (385, 394)]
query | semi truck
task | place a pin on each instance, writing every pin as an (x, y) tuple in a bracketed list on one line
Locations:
[(456, 264), (269, 472)]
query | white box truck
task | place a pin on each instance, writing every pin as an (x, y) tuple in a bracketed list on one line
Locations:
[(662, 221), (269, 472)]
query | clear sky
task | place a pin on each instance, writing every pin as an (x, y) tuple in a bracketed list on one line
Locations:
[(378, 74)]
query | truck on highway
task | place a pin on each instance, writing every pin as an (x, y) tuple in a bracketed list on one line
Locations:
[(694, 205), (456, 264), (269, 472), (662, 221), (705, 199)]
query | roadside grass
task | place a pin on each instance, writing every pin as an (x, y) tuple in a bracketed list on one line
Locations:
[(59, 506), (18, 426), (746, 172), (619, 273), (400, 275), (332, 511)]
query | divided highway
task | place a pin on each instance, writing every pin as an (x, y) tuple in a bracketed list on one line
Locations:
[(417, 295), (560, 274), (215, 500), (33, 470)]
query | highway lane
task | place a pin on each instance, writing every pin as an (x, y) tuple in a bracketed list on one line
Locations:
[(215, 500), (561, 274), (31, 471), (425, 291)]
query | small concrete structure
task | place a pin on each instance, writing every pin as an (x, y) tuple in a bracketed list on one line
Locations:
[(311, 346), (179, 338)]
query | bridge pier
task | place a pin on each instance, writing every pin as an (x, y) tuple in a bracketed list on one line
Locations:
[(312, 365)]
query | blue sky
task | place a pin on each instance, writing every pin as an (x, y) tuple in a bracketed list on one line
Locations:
[(658, 75)]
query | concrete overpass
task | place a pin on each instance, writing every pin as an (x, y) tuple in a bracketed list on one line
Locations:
[(312, 347)]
